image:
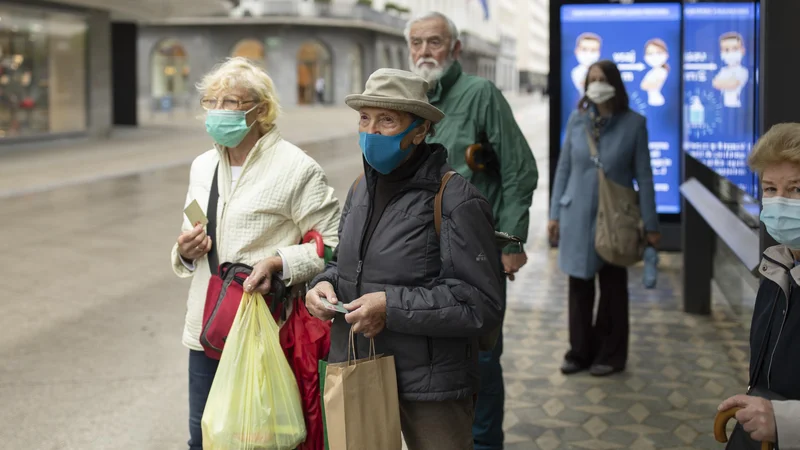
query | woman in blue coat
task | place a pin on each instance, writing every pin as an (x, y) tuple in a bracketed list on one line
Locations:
[(620, 134)]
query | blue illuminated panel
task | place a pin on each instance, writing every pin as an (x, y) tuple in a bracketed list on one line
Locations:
[(720, 87), (644, 41)]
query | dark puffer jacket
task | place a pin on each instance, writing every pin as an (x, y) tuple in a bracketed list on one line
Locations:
[(441, 292), (776, 317)]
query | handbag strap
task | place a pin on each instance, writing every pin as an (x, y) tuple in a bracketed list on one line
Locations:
[(211, 211), (595, 156), (756, 370), (437, 203)]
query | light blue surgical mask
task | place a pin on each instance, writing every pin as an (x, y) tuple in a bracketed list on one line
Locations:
[(228, 128), (383, 153), (781, 217)]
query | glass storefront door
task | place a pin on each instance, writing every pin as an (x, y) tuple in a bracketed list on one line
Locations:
[(42, 72)]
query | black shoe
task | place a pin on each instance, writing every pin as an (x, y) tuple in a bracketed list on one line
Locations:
[(570, 367), (603, 370)]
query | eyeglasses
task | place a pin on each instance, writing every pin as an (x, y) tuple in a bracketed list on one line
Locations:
[(228, 103)]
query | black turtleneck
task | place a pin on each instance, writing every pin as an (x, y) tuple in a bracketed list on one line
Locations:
[(389, 185)]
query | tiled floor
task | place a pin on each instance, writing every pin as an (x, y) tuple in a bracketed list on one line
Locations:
[(680, 368)]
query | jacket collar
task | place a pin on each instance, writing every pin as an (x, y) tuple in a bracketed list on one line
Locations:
[(447, 81), (777, 265), (262, 146), (429, 174)]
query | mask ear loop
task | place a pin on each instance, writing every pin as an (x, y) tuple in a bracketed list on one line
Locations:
[(414, 125), (250, 127)]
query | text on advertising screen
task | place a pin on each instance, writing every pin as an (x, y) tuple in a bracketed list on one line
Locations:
[(719, 63), (644, 42)]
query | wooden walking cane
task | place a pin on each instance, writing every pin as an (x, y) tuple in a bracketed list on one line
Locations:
[(721, 422)]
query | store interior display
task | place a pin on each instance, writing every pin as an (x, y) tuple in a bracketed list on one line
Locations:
[(42, 72)]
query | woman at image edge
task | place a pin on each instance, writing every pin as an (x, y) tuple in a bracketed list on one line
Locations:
[(776, 314), (270, 194), (622, 144)]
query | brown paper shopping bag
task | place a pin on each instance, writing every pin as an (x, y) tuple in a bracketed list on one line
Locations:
[(361, 406)]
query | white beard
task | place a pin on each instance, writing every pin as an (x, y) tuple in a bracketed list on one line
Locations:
[(430, 74)]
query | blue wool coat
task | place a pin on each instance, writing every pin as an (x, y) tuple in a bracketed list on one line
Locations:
[(625, 156)]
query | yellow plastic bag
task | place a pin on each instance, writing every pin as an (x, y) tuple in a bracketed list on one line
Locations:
[(254, 403)]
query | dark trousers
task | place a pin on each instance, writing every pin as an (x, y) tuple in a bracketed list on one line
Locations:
[(437, 425), (603, 340), (487, 429), (201, 374)]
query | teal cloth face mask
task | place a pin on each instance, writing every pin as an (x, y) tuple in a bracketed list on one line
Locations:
[(228, 128), (781, 217), (383, 153)]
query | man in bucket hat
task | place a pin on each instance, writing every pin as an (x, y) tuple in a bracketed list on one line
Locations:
[(424, 298)]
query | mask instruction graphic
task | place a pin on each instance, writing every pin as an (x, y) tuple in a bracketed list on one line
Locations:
[(733, 76), (641, 41), (655, 55), (719, 97), (697, 113), (587, 52)]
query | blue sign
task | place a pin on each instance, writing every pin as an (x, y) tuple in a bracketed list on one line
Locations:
[(644, 42), (719, 87)]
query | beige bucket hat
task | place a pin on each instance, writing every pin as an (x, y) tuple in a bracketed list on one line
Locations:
[(398, 90)]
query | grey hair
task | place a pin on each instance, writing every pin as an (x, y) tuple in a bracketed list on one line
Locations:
[(451, 26), (431, 131)]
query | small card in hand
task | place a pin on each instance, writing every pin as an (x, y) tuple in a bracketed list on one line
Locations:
[(195, 214), (338, 307)]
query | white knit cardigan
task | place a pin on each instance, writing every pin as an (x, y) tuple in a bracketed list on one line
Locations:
[(281, 194)]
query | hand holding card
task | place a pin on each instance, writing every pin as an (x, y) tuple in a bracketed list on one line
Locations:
[(195, 214), (334, 307)]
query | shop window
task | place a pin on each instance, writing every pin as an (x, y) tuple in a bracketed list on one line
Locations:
[(314, 74), (170, 76), (250, 49), (42, 72)]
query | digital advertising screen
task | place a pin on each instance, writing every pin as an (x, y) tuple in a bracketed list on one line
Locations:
[(719, 65), (644, 42)]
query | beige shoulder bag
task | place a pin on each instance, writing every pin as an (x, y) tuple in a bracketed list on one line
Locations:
[(619, 237)]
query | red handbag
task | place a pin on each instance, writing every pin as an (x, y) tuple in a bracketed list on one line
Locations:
[(224, 294)]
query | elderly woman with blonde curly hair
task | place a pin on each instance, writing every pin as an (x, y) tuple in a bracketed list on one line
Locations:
[(270, 195)]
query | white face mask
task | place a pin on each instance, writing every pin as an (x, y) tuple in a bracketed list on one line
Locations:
[(600, 92), (655, 59), (732, 58), (587, 58)]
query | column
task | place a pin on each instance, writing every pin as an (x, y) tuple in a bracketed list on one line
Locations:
[(779, 92)]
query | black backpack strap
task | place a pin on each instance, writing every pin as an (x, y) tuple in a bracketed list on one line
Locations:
[(756, 370), (211, 212)]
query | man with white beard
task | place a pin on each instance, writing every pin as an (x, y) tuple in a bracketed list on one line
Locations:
[(485, 145)]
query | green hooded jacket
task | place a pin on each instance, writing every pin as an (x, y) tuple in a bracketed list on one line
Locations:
[(473, 105)]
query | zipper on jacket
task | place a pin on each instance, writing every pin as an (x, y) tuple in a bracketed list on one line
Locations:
[(777, 340), (430, 351), (361, 251), (362, 248), (245, 165)]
